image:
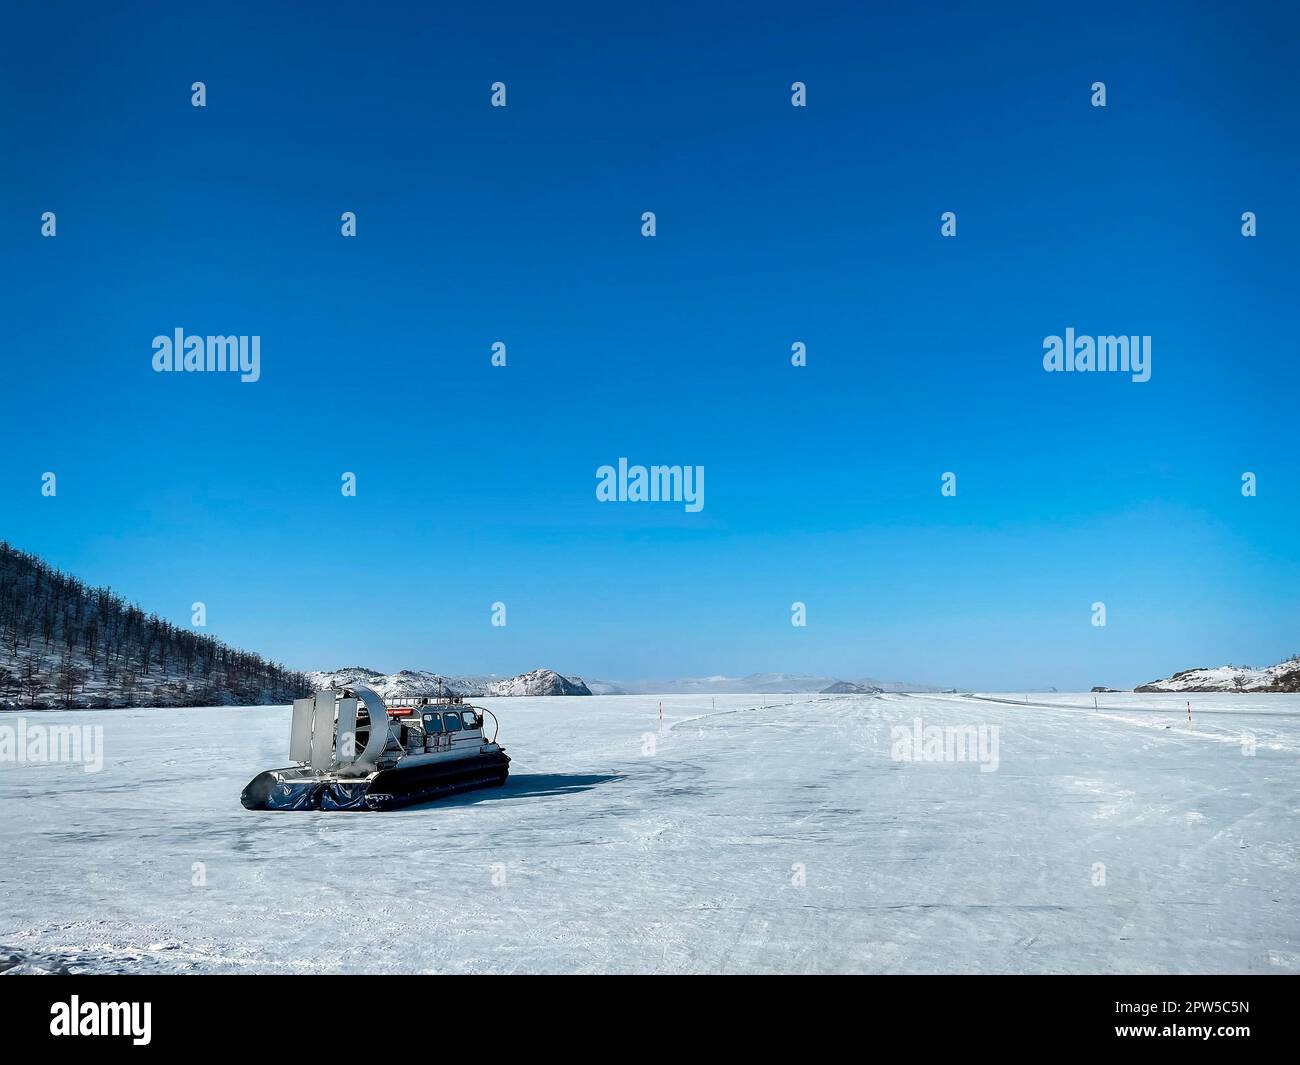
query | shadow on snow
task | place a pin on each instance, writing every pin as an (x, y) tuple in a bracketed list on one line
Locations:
[(524, 786)]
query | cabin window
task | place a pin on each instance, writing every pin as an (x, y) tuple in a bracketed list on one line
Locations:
[(470, 718), (453, 721), (432, 723)]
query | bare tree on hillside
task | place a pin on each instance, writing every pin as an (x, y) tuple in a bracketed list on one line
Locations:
[(31, 679), (71, 678)]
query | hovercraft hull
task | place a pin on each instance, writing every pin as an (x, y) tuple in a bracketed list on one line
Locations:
[(403, 786), (387, 789)]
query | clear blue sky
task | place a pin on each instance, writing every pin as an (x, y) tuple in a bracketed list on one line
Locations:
[(775, 224)]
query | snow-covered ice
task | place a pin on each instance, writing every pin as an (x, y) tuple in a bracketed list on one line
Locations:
[(735, 837)]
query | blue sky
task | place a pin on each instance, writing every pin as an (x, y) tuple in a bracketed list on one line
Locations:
[(775, 224)]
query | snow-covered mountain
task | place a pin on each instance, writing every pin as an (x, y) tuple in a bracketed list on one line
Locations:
[(1283, 677), (426, 682), (754, 683), (540, 682)]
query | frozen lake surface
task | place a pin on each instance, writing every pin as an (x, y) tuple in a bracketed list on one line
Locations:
[(734, 838)]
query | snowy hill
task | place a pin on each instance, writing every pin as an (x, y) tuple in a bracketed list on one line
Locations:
[(425, 682), (1283, 677), (845, 687), (66, 645)]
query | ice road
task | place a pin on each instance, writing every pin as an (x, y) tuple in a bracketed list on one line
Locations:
[(735, 837)]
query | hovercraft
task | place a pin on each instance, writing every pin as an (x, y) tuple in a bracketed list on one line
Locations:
[(354, 750)]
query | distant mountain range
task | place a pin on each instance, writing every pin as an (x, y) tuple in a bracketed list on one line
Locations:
[(423, 682), (1283, 677), (549, 682), (65, 645), (755, 683)]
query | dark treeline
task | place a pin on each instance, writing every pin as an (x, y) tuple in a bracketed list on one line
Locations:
[(65, 644)]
